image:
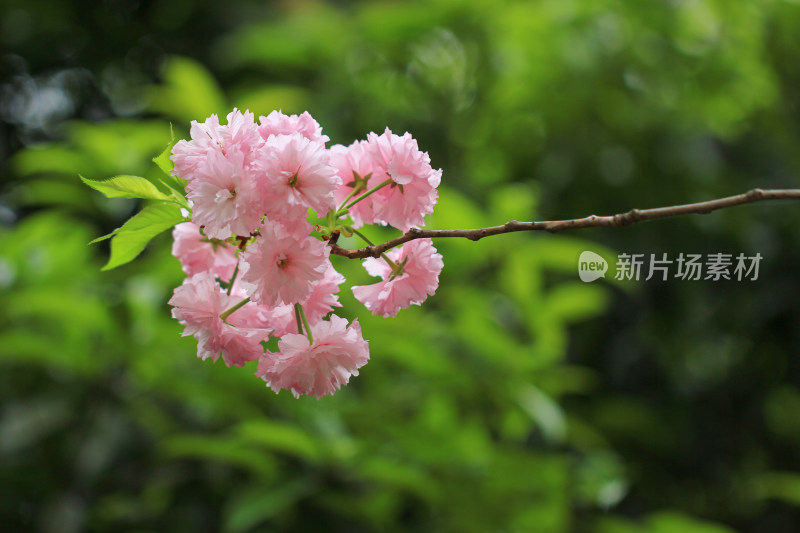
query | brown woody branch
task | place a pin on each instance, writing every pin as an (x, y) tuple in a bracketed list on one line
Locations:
[(592, 221)]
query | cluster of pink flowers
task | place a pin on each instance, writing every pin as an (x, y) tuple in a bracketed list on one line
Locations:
[(266, 198)]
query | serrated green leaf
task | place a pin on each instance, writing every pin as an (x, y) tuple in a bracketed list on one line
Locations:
[(129, 240), (127, 187)]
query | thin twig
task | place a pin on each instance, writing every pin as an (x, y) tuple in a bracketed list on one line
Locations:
[(592, 221)]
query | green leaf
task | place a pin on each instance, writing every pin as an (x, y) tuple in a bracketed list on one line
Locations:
[(163, 161), (165, 164), (127, 187), (129, 240), (781, 486), (178, 197), (279, 437), (676, 522), (571, 302), (189, 91), (210, 450), (104, 237), (257, 504)]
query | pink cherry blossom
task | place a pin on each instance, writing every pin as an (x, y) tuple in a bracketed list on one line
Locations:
[(320, 368), (296, 176), (224, 197), (354, 163), (318, 303), (240, 132), (283, 264), (421, 266), (198, 302), (199, 254), (412, 195), (276, 123)]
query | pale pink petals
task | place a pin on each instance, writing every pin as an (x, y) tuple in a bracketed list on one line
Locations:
[(413, 193), (421, 266), (282, 265), (295, 175), (354, 163), (322, 368), (276, 123), (198, 302), (240, 133), (199, 254), (323, 297), (223, 195), (321, 301)]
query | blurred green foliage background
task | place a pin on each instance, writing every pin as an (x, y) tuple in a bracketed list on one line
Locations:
[(518, 399)]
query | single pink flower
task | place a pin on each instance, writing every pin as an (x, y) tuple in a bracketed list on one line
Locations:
[(199, 254), (412, 195), (198, 302), (224, 197), (276, 123), (354, 165), (240, 133), (283, 264), (295, 175), (320, 368), (421, 266)]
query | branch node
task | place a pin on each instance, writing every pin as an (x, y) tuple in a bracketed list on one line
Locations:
[(634, 215)]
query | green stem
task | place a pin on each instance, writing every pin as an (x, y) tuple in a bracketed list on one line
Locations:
[(352, 193), (395, 266), (224, 316), (298, 310), (372, 190), (233, 277), (297, 317), (363, 237)]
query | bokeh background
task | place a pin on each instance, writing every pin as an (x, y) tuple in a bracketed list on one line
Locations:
[(517, 399)]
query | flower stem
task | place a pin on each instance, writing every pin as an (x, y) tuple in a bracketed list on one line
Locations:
[(363, 237), (352, 193), (233, 277), (298, 319), (300, 315), (372, 190), (395, 266), (224, 316)]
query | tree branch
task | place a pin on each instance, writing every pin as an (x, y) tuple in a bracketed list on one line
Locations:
[(592, 221)]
